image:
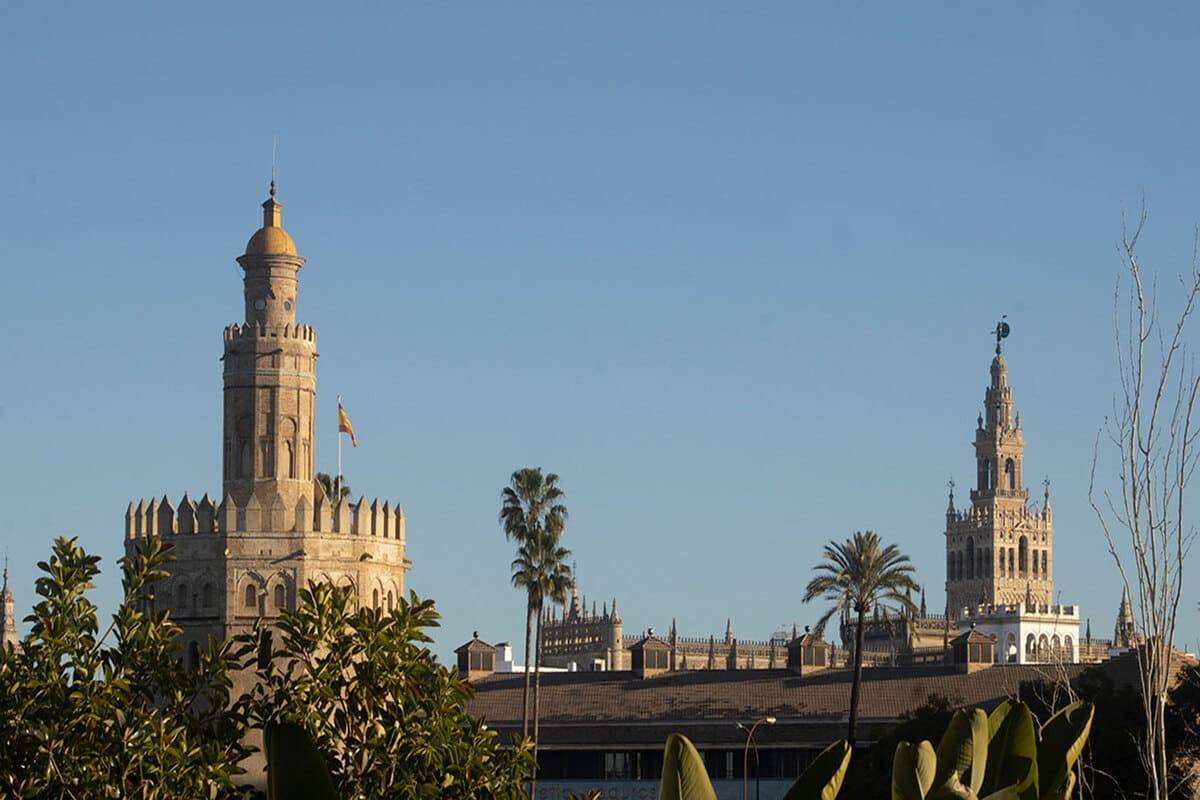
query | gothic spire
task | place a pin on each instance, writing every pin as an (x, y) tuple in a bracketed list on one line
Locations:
[(922, 601), (728, 630)]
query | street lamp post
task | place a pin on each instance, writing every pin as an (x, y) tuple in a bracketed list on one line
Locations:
[(746, 757)]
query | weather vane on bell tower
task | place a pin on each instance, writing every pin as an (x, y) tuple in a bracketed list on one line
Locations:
[(1001, 331)]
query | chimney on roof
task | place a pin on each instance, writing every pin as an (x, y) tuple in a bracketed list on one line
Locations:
[(807, 654), (476, 659)]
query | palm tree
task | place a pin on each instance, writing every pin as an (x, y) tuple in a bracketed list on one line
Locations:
[(858, 575), (554, 581), (531, 504), (335, 488), (541, 569)]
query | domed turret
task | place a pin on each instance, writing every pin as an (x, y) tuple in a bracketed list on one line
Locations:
[(271, 239)]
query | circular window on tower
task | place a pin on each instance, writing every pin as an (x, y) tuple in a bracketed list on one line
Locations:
[(260, 304), (287, 305)]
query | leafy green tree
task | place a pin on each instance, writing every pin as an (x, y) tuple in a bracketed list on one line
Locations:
[(85, 714), (531, 505), (858, 575), (391, 721), (336, 488)]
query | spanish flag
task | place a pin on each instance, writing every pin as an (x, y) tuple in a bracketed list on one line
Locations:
[(344, 425)]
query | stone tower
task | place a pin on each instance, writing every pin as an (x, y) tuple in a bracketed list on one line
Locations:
[(273, 530), (270, 376), (9, 636), (999, 551)]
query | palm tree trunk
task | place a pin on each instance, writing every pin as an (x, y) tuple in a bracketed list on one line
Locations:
[(854, 687), (525, 691), (537, 697)]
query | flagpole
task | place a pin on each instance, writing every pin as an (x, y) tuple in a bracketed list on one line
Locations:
[(338, 490)]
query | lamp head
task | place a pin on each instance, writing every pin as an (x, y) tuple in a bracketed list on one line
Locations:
[(770, 720)]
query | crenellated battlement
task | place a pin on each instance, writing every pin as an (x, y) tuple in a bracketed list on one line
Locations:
[(204, 517), (236, 332)]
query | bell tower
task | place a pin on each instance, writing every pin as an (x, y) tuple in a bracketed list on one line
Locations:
[(999, 550), (269, 376)]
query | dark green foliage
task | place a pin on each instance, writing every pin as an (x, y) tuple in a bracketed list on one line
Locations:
[(296, 769), (871, 772), (999, 752), (335, 487), (87, 715), (824, 776), (91, 715), (390, 721)]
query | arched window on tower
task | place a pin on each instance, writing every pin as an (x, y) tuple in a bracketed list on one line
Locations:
[(245, 461), (1010, 474), (986, 475), (375, 598), (250, 597), (1023, 556), (181, 596), (1068, 650), (1012, 571), (268, 459), (1030, 646), (970, 557), (1034, 562), (1045, 571), (958, 565), (291, 459), (1002, 557), (280, 597)]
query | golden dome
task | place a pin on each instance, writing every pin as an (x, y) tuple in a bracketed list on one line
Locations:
[(271, 239)]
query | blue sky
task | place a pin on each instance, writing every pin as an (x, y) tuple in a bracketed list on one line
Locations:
[(730, 271)]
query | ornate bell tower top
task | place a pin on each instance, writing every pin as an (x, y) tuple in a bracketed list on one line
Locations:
[(999, 442), (270, 376), (999, 550)]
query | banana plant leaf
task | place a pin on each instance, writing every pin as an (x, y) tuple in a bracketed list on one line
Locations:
[(1012, 752), (964, 743), (914, 768), (684, 776), (295, 767), (823, 778), (1063, 738)]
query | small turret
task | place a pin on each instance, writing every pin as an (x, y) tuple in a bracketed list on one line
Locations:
[(728, 630), (9, 636), (1124, 632)]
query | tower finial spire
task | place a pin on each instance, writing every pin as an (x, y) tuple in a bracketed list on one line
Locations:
[(274, 145), (1001, 331)]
